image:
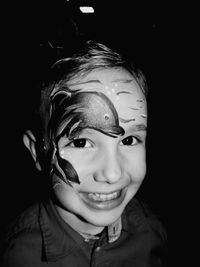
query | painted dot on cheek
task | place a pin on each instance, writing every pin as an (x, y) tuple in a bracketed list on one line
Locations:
[(62, 152)]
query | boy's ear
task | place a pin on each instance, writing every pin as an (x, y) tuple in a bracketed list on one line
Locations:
[(30, 142)]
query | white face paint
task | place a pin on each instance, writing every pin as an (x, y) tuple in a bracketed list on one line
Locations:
[(110, 170)]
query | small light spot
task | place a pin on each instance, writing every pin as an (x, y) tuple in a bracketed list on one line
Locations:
[(98, 249), (86, 9)]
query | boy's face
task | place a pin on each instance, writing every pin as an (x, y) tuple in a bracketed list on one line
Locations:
[(107, 169)]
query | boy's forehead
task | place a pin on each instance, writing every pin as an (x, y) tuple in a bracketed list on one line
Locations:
[(118, 85), (109, 74), (111, 82)]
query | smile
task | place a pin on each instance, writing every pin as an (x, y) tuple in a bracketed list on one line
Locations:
[(103, 197), (103, 201)]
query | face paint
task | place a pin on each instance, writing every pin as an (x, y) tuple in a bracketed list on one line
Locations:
[(140, 100), (144, 116), (126, 120), (71, 113), (134, 108), (122, 92)]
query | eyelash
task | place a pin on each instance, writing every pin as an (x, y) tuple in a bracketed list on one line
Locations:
[(82, 142), (137, 140)]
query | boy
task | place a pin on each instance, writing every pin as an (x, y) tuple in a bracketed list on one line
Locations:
[(91, 146)]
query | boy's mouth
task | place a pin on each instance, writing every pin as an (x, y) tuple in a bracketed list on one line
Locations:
[(103, 201), (103, 196)]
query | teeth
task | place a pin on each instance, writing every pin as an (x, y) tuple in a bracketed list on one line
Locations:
[(103, 197)]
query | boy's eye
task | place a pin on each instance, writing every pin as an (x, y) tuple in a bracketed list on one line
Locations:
[(129, 141), (80, 143)]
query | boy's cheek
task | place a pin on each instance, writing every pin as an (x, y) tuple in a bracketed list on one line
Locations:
[(84, 165), (135, 162), (88, 166)]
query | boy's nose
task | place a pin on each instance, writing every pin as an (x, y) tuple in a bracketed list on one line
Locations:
[(110, 170)]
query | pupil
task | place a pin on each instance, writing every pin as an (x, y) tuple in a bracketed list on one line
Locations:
[(79, 142), (128, 141)]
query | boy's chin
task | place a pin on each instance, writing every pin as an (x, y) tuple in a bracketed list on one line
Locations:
[(103, 220)]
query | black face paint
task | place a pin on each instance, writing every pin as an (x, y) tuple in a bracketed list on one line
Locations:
[(64, 170), (73, 111)]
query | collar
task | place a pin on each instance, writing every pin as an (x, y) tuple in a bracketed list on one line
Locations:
[(113, 232), (59, 239)]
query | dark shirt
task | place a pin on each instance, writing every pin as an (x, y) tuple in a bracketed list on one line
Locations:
[(39, 237)]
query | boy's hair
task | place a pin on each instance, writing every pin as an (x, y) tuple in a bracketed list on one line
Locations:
[(89, 56)]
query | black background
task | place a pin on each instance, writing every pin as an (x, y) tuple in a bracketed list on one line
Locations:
[(151, 33)]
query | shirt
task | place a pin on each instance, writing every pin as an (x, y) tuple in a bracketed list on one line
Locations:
[(39, 237)]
